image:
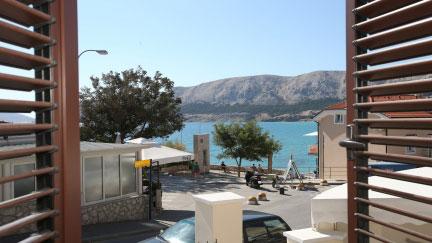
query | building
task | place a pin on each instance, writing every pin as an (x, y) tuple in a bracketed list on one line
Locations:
[(332, 161), (110, 185), (329, 211)]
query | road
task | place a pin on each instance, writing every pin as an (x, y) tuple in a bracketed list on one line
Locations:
[(293, 206)]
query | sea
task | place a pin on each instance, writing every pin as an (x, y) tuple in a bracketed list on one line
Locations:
[(290, 134)]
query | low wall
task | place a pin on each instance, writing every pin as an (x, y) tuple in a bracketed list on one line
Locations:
[(243, 169), (123, 209), (10, 214)]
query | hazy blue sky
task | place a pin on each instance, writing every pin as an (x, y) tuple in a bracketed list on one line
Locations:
[(194, 41)]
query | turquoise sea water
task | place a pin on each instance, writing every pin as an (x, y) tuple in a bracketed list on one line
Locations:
[(290, 134)]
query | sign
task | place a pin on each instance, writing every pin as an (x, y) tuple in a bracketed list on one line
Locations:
[(142, 163)]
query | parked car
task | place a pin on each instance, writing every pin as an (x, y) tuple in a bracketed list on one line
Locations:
[(258, 227)]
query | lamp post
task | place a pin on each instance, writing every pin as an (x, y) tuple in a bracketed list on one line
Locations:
[(100, 52)]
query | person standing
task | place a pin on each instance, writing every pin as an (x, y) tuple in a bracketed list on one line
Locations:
[(223, 166)]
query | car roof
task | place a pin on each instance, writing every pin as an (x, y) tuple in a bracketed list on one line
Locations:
[(248, 215), (252, 215)]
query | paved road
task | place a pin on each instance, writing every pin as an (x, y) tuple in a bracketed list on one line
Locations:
[(293, 207)]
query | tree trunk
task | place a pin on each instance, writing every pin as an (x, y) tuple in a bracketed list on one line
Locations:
[(270, 163), (238, 170)]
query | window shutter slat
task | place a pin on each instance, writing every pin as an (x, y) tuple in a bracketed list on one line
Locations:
[(16, 225), (14, 82), (21, 60), (398, 17), (378, 7), (15, 35), (397, 35), (50, 29), (16, 153), (22, 129), (20, 13), (396, 54), (398, 71), (408, 87), (389, 85), (23, 106)]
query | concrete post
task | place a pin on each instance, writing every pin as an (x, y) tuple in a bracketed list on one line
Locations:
[(218, 217)]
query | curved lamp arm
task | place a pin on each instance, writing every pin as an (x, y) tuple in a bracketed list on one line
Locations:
[(100, 52)]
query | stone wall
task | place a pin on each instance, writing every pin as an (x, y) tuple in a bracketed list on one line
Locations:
[(127, 208), (10, 214)]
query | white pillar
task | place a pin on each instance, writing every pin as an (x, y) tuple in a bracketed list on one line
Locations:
[(218, 217)]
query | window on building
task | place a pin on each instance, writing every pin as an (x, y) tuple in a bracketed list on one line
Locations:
[(23, 186), (128, 173), (93, 179), (339, 119), (410, 149), (111, 176)]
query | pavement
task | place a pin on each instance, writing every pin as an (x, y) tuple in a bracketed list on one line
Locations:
[(177, 201)]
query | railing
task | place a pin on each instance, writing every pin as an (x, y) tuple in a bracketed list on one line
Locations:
[(336, 173), (385, 39), (48, 29)]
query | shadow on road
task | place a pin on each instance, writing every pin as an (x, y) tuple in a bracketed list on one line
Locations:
[(175, 215), (199, 184)]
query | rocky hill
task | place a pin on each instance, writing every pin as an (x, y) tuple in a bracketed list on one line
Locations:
[(267, 89), (263, 97)]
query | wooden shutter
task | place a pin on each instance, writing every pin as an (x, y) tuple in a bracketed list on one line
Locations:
[(49, 30), (389, 49)]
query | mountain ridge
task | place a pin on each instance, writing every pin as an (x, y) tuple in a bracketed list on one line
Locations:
[(266, 89), (262, 97)]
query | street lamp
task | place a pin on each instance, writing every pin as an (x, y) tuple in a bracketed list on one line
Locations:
[(100, 52)]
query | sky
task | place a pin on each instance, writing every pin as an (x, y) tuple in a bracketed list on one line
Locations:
[(196, 41)]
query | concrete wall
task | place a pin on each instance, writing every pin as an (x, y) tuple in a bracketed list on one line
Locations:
[(426, 152), (332, 157), (202, 152)]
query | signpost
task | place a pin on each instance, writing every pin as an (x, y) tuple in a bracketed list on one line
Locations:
[(143, 164)]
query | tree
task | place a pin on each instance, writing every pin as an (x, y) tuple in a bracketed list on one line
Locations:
[(272, 146), (241, 141), (175, 145), (130, 103)]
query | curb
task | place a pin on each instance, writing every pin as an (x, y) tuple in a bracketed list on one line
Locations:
[(122, 234)]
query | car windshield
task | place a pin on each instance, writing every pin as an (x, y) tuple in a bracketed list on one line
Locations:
[(181, 232)]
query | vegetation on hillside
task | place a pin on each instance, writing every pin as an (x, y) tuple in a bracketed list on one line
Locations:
[(273, 110)]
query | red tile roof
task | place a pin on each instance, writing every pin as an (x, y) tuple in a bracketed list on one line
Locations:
[(338, 106)]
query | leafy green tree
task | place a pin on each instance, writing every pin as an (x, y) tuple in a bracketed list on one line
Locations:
[(175, 145), (241, 141), (130, 103)]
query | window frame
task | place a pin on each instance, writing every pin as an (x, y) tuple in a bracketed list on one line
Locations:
[(13, 173), (410, 150), (342, 116), (104, 199)]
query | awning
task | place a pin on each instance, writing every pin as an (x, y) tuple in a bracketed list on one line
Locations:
[(141, 141), (165, 155), (311, 134)]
